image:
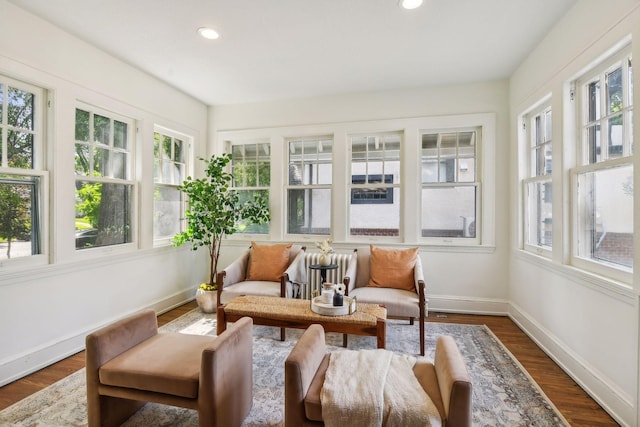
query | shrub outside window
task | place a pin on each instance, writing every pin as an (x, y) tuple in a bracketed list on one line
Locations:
[(104, 188), (450, 191), (169, 171), (309, 186), (23, 180), (375, 175), (603, 177), (251, 171)]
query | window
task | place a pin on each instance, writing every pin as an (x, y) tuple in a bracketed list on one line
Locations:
[(372, 158), (169, 170), (603, 175), (22, 175), (371, 195), (251, 170), (449, 184), (104, 185), (309, 188), (537, 184)]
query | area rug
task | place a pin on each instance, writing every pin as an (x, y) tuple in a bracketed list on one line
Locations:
[(503, 393)]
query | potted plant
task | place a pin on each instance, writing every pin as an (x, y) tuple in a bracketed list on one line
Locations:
[(215, 211)]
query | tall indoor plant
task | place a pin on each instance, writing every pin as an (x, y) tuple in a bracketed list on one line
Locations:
[(216, 210)]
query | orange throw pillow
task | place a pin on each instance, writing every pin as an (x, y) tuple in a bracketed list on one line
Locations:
[(393, 268), (268, 262)]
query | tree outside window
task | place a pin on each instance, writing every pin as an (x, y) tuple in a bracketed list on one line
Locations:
[(104, 190)]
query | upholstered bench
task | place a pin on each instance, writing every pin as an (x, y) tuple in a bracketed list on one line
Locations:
[(130, 363), (446, 381)]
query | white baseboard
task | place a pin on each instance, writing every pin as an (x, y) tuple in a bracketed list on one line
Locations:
[(49, 353), (468, 305), (617, 403)]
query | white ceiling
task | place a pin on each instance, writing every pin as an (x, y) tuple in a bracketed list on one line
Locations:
[(279, 49)]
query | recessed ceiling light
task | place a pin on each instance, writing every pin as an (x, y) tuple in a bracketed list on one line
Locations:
[(208, 33), (410, 4)]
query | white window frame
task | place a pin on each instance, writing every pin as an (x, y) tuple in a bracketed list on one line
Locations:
[(186, 155), (130, 173), (583, 165), (410, 174), (318, 186), (257, 142), (476, 184), (38, 169), (395, 187), (530, 175)]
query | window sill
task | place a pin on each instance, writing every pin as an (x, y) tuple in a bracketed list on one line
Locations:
[(612, 288)]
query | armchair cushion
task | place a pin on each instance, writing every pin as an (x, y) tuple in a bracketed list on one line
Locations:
[(393, 268), (165, 362), (268, 262), (399, 303)]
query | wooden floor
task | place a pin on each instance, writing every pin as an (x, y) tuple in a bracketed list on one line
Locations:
[(576, 406)]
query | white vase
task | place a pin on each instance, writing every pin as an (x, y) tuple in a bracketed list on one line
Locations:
[(207, 300), (324, 259)]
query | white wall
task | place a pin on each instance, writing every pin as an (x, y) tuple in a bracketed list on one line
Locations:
[(46, 311), (479, 287), (589, 325)]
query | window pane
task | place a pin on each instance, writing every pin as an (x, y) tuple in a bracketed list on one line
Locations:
[(614, 91), (103, 214), (250, 228), (167, 211), (616, 137), (101, 162), (539, 214), (467, 170), (166, 147), (1, 100), (120, 166), (593, 143), (82, 159), (120, 138), (593, 96), (630, 82), (101, 129), (376, 219), (178, 150), (20, 111), (20, 149), (309, 211), (429, 171), (19, 221), (82, 125), (449, 212), (605, 216)]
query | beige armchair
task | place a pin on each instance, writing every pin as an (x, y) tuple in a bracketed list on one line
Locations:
[(398, 284), (261, 270), (129, 363), (446, 381)]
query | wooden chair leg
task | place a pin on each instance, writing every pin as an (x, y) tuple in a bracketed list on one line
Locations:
[(422, 337), (411, 321)]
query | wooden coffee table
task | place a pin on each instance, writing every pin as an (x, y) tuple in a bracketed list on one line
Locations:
[(369, 319)]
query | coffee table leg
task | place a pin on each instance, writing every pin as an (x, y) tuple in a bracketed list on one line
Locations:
[(283, 334), (221, 322), (381, 326), (344, 340)]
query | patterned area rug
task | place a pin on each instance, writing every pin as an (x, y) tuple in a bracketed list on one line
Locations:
[(503, 393)]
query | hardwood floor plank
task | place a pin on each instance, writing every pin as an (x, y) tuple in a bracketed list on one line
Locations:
[(573, 402)]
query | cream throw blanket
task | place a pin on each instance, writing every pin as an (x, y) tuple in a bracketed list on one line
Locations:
[(375, 388)]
